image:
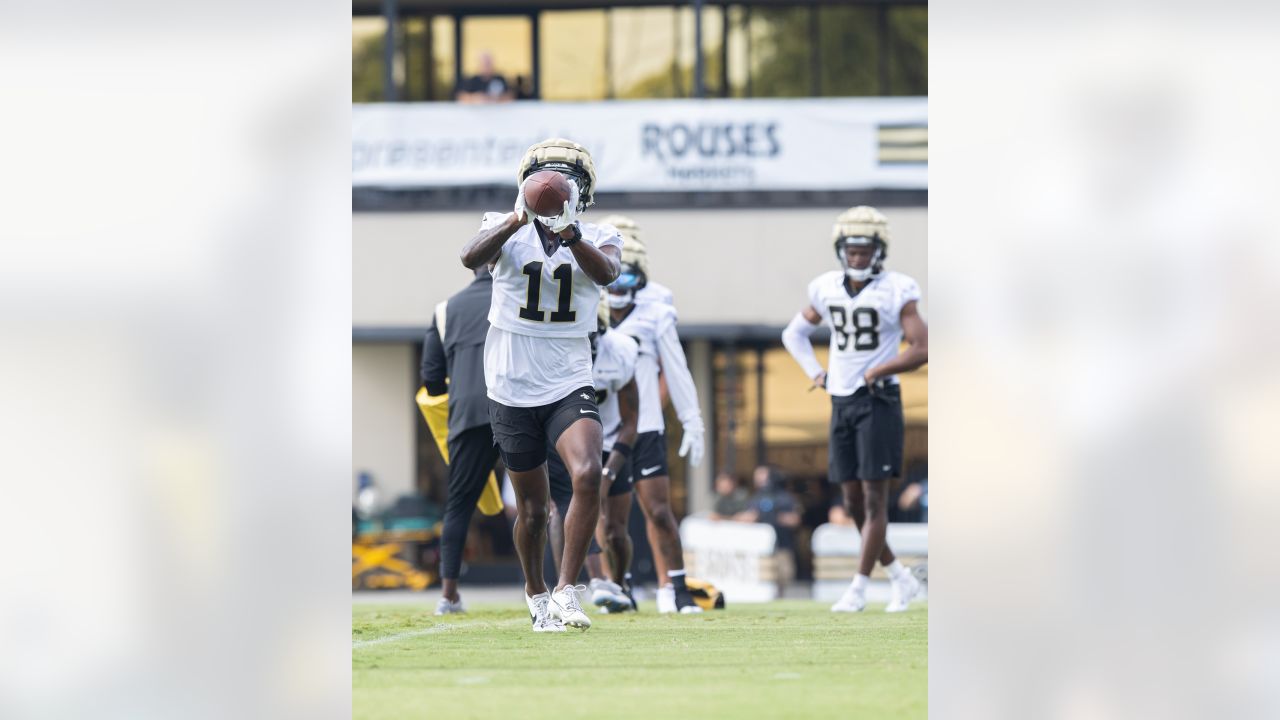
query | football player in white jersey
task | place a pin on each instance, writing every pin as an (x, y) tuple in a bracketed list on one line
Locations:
[(653, 325), (634, 249), (870, 312), (547, 275), (613, 367)]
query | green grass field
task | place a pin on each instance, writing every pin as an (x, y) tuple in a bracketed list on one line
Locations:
[(790, 659)]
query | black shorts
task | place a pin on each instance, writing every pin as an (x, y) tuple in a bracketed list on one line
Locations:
[(562, 484), (522, 434), (649, 457), (866, 435)]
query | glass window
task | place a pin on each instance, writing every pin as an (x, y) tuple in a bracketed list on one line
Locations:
[(780, 62), (576, 69), (507, 39), (442, 57), (738, 55), (642, 52), (909, 57), (848, 51), (366, 58)]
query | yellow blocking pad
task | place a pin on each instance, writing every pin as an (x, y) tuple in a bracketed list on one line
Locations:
[(435, 410)]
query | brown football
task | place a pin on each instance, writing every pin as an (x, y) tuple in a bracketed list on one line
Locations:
[(545, 193)]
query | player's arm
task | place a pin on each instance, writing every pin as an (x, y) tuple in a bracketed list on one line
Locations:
[(797, 339), (916, 335), (684, 396), (602, 265), (484, 248), (629, 410), (434, 368)]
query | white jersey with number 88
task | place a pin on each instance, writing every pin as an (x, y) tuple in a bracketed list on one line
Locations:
[(866, 328)]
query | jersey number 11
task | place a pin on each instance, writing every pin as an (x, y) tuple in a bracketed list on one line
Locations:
[(564, 278)]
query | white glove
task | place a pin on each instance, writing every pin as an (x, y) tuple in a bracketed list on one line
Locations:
[(570, 214), (523, 215), (691, 444)]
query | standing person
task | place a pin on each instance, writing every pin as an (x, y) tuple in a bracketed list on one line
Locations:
[(870, 312), (454, 350), (653, 325), (484, 87), (537, 366), (613, 366)]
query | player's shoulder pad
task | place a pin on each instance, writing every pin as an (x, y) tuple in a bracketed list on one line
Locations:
[(600, 235), (626, 345), (492, 219), (830, 279)]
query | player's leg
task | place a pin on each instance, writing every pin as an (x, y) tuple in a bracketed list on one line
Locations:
[(876, 500), (612, 590), (579, 447), (842, 465), (654, 495), (881, 449), (561, 494), (521, 439), (574, 428), (472, 455), (856, 508)]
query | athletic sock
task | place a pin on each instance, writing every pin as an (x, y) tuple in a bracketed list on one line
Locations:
[(677, 579), (860, 583), (895, 569)]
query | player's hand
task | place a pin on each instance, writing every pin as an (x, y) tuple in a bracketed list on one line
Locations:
[(819, 381), (692, 444), (570, 214), (523, 216), (873, 386)]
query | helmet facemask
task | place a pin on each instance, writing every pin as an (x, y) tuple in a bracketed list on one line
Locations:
[(874, 268)]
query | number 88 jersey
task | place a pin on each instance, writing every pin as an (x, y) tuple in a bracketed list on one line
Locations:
[(866, 328)]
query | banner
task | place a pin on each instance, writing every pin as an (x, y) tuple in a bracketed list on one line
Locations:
[(647, 146), (736, 557)]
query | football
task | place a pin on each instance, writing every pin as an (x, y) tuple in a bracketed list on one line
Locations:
[(545, 193)]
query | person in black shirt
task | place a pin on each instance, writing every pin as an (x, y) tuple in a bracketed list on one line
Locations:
[(485, 87), (454, 348)]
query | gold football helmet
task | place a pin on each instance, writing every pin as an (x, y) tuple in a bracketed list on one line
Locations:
[(565, 156)]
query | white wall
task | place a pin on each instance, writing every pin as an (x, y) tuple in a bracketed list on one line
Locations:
[(383, 381), (725, 266)]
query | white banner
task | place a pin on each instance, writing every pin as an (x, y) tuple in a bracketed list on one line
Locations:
[(649, 145), (728, 555)]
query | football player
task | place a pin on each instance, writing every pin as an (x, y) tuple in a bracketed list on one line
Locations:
[(547, 275), (870, 312), (634, 249), (613, 367), (653, 325)]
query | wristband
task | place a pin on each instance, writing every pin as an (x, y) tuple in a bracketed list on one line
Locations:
[(621, 447), (577, 235)]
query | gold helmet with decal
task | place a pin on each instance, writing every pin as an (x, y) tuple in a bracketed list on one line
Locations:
[(861, 225), (633, 249), (565, 156)]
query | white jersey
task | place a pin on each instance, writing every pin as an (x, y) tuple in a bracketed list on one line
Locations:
[(614, 367), (653, 292), (646, 322), (866, 328), (542, 309)]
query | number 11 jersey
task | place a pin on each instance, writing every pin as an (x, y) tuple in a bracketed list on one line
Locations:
[(542, 310), (866, 328)]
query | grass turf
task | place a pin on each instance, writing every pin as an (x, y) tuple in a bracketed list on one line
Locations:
[(787, 659)]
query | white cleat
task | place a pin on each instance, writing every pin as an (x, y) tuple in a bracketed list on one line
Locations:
[(608, 596), (905, 587), (851, 601), (540, 612), (667, 599), (444, 607), (565, 608)]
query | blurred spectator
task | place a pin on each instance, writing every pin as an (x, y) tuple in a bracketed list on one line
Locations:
[(837, 515), (773, 505), (912, 502), (486, 87), (731, 498)]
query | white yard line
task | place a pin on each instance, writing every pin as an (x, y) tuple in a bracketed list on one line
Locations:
[(435, 630)]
